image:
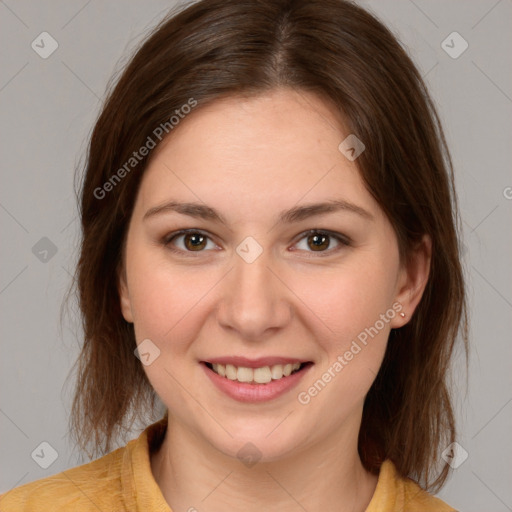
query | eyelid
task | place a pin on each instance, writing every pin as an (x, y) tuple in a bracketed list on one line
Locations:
[(344, 240), (315, 231), (167, 239)]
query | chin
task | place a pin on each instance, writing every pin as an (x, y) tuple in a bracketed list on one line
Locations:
[(257, 442)]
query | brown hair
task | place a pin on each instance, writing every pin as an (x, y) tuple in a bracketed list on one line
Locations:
[(333, 48)]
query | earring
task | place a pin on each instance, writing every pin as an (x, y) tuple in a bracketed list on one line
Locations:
[(402, 314)]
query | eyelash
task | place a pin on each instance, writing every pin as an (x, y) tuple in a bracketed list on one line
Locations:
[(343, 240)]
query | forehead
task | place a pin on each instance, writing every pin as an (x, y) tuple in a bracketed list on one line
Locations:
[(260, 151), (277, 121)]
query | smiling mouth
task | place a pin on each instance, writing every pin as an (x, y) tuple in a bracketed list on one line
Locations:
[(262, 375)]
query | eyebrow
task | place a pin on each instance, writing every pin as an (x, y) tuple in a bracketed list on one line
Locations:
[(295, 214)]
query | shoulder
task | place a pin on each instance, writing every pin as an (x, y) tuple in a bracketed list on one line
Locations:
[(399, 494), (120, 480), (418, 500), (94, 486)]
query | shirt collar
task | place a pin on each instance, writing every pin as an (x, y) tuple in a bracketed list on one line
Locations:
[(140, 490)]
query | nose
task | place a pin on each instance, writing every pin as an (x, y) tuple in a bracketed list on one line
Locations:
[(254, 301)]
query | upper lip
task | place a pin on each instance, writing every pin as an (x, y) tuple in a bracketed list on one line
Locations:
[(254, 363)]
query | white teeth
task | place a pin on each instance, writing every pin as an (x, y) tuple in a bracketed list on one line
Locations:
[(245, 374), (277, 371), (230, 371), (220, 369), (262, 375)]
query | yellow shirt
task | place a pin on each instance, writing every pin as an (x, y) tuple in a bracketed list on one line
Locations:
[(122, 481)]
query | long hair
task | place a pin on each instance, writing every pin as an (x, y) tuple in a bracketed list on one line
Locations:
[(218, 48)]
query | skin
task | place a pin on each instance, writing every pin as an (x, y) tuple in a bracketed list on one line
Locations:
[(275, 151)]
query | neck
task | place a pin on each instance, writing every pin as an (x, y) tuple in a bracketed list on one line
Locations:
[(194, 475)]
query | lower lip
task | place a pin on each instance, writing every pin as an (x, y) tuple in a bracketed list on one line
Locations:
[(244, 392)]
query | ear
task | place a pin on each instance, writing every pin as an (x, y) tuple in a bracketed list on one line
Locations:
[(412, 280), (124, 295)]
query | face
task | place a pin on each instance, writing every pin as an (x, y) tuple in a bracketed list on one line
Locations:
[(316, 287)]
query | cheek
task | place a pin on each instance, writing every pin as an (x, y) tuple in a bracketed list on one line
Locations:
[(353, 349), (165, 297), (348, 299), (169, 310), (166, 303), (349, 302)]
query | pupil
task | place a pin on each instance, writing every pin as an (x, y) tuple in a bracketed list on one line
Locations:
[(321, 239), (195, 240)]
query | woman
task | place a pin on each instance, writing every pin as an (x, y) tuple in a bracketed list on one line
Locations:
[(269, 248)]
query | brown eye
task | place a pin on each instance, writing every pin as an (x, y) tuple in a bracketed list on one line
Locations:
[(194, 241), (318, 242), (322, 242), (191, 241)]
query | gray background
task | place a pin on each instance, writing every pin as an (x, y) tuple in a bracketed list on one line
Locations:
[(48, 109)]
